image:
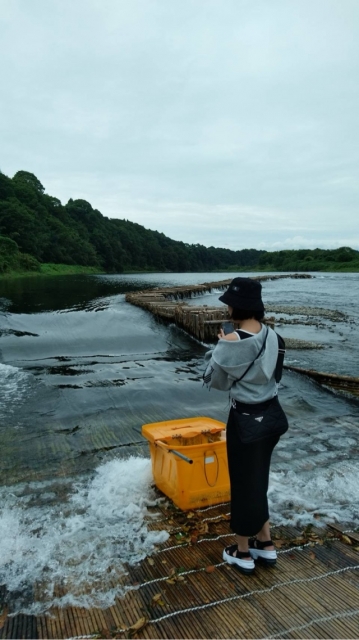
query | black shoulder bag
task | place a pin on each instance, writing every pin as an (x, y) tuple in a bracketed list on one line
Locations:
[(280, 359)]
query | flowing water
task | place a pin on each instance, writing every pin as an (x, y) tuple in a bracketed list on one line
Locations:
[(80, 372)]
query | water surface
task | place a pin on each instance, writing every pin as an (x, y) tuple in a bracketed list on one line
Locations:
[(82, 370)]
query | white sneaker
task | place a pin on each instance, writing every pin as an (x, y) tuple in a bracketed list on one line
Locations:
[(258, 551), (241, 560)]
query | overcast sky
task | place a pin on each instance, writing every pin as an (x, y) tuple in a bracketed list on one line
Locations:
[(231, 123)]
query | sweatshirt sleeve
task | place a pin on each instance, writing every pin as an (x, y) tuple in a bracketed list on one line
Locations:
[(214, 376)]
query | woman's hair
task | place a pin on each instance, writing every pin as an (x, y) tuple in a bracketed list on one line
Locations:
[(246, 314)]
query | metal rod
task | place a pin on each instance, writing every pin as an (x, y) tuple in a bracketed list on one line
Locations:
[(180, 455), (177, 453)]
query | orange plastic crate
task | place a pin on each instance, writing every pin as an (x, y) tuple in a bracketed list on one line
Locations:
[(189, 460)]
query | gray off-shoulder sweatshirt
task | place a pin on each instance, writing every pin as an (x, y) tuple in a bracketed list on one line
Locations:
[(229, 359)]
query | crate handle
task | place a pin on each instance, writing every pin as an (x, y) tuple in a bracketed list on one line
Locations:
[(177, 453)]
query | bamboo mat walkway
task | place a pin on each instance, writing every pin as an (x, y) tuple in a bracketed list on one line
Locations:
[(184, 590)]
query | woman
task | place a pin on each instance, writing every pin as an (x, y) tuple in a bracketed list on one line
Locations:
[(244, 363)]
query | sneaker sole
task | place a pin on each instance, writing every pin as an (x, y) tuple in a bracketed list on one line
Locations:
[(234, 563), (268, 561)]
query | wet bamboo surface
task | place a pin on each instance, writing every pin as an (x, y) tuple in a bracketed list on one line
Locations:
[(184, 590), (335, 381)]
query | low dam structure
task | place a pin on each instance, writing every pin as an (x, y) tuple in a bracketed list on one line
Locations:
[(201, 322)]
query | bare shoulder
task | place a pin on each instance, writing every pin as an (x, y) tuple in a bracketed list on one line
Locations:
[(231, 337)]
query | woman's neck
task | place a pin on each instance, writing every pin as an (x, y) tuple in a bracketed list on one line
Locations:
[(251, 325)]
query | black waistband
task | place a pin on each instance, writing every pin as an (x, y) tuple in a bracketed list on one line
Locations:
[(253, 408)]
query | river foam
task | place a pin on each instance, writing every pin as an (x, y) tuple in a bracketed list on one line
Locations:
[(73, 550), (71, 539), (325, 495)]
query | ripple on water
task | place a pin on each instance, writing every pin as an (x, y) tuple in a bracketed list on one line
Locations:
[(14, 385)]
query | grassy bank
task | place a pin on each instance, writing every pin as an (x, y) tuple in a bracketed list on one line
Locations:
[(51, 269)]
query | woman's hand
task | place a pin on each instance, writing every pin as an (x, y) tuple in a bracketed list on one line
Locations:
[(227, 336)]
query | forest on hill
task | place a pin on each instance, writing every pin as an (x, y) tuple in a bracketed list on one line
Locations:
[(36, 228)]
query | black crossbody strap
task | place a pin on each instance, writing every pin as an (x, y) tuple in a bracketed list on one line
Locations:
[(280, 359), (257, 356)]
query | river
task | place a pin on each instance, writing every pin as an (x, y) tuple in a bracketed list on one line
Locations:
[(81, 370)]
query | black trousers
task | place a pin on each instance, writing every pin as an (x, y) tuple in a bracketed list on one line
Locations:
[(248, 466)]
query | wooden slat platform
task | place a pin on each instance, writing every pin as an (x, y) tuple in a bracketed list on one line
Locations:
[(184, 590)]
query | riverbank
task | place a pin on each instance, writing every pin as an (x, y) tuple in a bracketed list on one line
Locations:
[(51, 269), (329, 269)]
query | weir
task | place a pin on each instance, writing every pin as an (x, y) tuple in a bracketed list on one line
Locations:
[(201, 322), (345, 384)]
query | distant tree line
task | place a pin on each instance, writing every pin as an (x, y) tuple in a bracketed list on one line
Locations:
[(343, 259), (76, 233), (37, 228)]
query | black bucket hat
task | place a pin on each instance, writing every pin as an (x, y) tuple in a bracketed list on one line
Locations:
[(244, 293)]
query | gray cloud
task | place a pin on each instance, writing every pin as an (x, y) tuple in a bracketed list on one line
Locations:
[(228, 122)]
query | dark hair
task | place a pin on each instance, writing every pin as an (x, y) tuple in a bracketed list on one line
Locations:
[(246, 314)]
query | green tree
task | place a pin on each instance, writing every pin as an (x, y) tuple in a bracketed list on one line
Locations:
[(76, 233), (26, 178)]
